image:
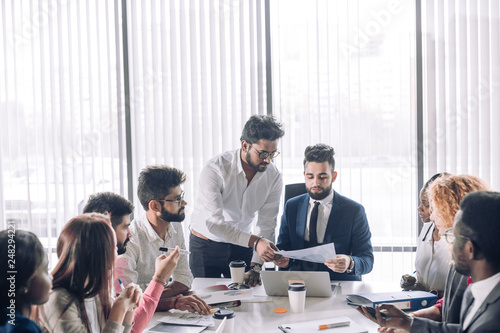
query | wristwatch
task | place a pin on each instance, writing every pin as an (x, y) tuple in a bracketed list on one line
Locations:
[(350, 269), (256, 268)]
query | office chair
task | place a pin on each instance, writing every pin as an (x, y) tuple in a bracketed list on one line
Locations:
[(293, 190)]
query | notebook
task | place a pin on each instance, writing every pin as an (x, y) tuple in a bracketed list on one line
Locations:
[(317, 283)]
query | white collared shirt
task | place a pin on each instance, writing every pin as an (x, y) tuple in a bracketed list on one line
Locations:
[(324, 210), (226, 205), (432, 259), (137, 264), (480, 290)]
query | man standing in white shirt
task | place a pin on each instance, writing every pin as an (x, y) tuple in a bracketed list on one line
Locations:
[(160, 193), (476, 253), (236, 188)]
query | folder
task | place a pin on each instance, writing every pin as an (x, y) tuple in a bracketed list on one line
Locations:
[(404, 300)]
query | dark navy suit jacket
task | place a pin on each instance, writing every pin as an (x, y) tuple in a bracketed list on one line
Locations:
[(347, 228)]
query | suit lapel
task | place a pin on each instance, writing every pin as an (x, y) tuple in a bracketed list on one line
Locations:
[(492, 297), (334, 218), (301, 221)]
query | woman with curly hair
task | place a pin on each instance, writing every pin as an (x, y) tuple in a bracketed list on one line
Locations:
[(445, 194)]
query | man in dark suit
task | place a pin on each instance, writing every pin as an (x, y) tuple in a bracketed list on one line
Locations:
[(323, 216), (476, 253)]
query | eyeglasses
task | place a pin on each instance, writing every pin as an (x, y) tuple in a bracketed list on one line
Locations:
[(264, 154), (179, 199), (450, 236)]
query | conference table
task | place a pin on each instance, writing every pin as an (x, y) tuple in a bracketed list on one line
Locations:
[(259, 316)]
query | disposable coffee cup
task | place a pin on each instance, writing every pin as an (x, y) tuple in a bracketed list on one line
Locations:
[(219, 316), (297, 297), (237, 268)]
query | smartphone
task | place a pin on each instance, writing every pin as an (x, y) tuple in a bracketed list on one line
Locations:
[(373, 312)]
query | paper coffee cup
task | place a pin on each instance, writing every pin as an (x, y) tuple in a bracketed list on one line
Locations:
[(297, 297), (237, 268), (219, 316)]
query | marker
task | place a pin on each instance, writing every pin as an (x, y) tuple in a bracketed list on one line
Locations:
[(121, 284), (170, 250), (341, 324)]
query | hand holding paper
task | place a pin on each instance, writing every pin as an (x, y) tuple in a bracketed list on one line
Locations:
[(318, 254)]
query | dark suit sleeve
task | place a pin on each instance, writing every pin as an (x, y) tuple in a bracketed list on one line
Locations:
[(361, 250), (431, 326), (284, 241)]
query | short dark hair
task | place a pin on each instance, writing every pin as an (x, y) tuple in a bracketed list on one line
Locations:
[(111, 203), (156, 181), (481, 218), (261, 127), (319, 153)]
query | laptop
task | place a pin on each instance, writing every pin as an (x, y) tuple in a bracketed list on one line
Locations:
[(317, 283)]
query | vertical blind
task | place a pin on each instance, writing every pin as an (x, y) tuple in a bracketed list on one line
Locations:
[(60, 98), (343, 74), (197, 72), (461, 52)]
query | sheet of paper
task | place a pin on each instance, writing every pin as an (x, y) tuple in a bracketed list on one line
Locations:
[(317, 254), (187, 318), (225, 295), (166, 328)]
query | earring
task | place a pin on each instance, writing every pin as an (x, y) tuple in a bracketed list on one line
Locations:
[(25, 290)]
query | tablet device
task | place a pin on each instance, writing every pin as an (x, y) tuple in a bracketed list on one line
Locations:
[(317, 283)]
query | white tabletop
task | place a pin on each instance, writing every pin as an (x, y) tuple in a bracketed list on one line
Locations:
[(259, 317)]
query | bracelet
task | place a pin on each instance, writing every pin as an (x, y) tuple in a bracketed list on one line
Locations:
[(159, 280), (255, 243), (176, 299)]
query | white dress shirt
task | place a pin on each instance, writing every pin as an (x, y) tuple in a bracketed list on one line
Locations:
[(324, 210), (227, 205), (480, 290), (137, 264), (432, 259)]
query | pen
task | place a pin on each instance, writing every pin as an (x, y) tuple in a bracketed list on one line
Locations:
[(121, 284), (341, 324), (169, 249)]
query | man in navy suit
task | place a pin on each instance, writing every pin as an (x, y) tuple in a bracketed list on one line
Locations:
[(323, 216)]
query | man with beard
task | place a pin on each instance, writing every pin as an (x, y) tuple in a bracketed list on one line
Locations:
[(236, 188), (323, 216), (160, 193), (476, 253), (119, 209)]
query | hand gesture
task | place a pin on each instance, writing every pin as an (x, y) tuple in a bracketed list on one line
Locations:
[(394, 317), (130, 297), (192, 303), (265, 249), (252, 278), (339, 264), (165, 265)]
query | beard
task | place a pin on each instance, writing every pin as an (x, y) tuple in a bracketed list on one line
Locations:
[(261, 167), (171, 217), (320, 195), (122, 248)]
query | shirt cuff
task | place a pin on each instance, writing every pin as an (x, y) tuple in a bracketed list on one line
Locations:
[(154, 290)]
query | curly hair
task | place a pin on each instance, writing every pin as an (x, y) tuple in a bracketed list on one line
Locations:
[(445, 194)]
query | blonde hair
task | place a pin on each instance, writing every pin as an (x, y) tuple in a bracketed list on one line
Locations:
[(446, 193)]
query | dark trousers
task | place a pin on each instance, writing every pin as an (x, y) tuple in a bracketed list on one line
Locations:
[(211, 259)]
